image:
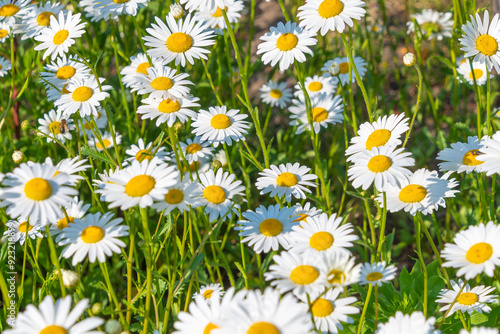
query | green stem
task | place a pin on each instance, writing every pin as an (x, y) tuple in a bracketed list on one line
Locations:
[(111, 290), (365, 308), (149, 276), (418, 239), (420, 79), (55, 260)]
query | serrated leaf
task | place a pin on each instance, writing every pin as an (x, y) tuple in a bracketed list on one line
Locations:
[(92, 153)]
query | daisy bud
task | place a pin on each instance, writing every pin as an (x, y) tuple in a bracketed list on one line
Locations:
[(113, 326), (238, 199), (97, 308), (70, 278), (216, 164), (177, 11), (409, 59), (178, 126), (17, 156), (25, 125), (334, 69)]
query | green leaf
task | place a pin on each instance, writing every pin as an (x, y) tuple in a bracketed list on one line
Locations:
[(92, 153)]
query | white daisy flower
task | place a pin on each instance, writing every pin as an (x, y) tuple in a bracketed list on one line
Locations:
[(104, 177), (83, 96), (16, 231), (169, 109), (36, 192), (285, 44), (93, 10), (60, 35), (422, 191), (107, 141), (475, 250), (266, 312), (196, 149), (478, 71), (325, 111), (54, 126), (490, 149), (322, 235), (329, 311), (215, 19), (71, 167), (121, 7), (479, 330), (267, 229), (481, 40), (210, 292), (216, 193), (461, 157), (343, 75), (298, 273), (39, 18), (316, 85), (5, 30), (433, 24), (180, 40), (276, 94), (330, 15), (211, 5), (141, 152), (385, 131), (55, 318), (380, 165), (138, 66), (341, 269), (62, 69), (286, 180), (219, 125), (5, 66), (180, 196), (416, 323), (139, 184), (303, 212), (12, 12), (163, 82), (469, 300), (94, 236), (377, 273), (75, 210)]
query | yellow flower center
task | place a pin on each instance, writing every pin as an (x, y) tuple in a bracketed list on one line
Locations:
[(214, 194), (287, 179), (412, 193), (193, 148), (209, 327), (330, 8), (379, 163), (487, 45), (92, 234), (315, 86), (174, 196), (144, 154), (140, 185), (43, 19), (53, 329), (60, 37), (276, 94), (263, 328), (8, 10), (162, 83), (321, 308), (106, 143), (65, 72), (38, 189), (54, 127), (336, 277), (287, 42), (22, 227), (304, 274), (143, 68), (302, 218), (270, 227), (321, 241), (467, 298), (121, 1), (378, 138), (169, 106), (374, 276), (82, 94), (179, 42), (63, 223), (477, 73), (344, 68), (319, 114), (470, 158), (220, 121), (479, 253), (3, 33), (208, 293), (218, 12)]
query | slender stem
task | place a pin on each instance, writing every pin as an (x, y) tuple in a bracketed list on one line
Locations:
[(420, 79), (376, 309), (381, 237), (365, 308), (55, 260), (104, 269), (418, 239), (149, 276)]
